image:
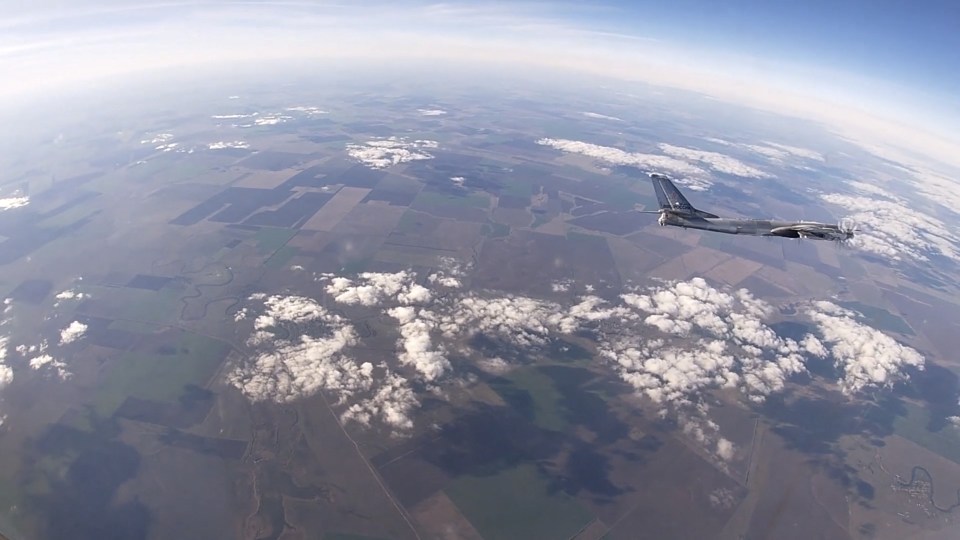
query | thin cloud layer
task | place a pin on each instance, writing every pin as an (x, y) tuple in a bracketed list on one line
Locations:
[(892, 228), (599, 116), (692, 176), (721, 163), (382, 153), (431, 112)]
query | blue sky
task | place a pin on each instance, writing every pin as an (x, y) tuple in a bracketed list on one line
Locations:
[(894, 59), (911, 43)]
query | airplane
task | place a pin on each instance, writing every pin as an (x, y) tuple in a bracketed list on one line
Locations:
[(676, 211)]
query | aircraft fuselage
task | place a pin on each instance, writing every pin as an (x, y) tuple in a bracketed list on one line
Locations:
[(753, 227)]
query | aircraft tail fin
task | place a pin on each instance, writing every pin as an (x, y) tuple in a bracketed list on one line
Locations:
[(671, 200)]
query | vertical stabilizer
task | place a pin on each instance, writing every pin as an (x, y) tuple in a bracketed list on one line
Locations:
[(672, 200)]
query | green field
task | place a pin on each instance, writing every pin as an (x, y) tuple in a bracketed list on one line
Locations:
[(281, 257), (913, 426), (349, 536), (137, 304), (495, 230), (160, 375), (880, 318), (270, 239), (133, 326), (517, 503), (533, 392), (429, 199)]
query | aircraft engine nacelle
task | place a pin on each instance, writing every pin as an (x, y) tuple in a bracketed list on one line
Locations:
[(786, 232)]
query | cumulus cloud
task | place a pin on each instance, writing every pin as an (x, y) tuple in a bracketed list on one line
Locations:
[(673, 342), (431, 112), (382, 153), (867, 357), (692, 176), (372, 288), (736, 348), (302, 364), (49, 364), (418, 348), (10, 203), (715, 160), (725, 449), (71, 295), (892, 228), (392, 403), (72, 332), (301, 348), (599, 116)]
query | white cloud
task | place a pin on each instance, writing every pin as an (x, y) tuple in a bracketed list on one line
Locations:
[(673, 343), (382, 153), (392, 403), (725, 449), (561, 286), (894, 229), (271, 119), (796, 151), (10, 203), (721, 142), (220, 145), (287, 369), (692, 176), (313, 358), (6, 374), (309, 111), (779, 153), (774, 154), (232, 116), (372, 288), (735, 348), (72, 332), (431, 112), (716, 161), (937, 188), (71, 295), (599, 116), (418, 348), (160, 138), (867, 357), (872, 189), (48, 363)]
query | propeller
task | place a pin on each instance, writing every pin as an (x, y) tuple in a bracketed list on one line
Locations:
[(848, 228)]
